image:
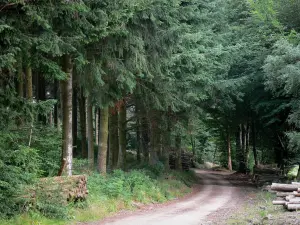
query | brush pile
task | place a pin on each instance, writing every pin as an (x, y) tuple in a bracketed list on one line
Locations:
[(67, 189), (288, 195)]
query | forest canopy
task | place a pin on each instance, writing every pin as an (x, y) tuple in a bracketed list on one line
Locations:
[(121, 83)]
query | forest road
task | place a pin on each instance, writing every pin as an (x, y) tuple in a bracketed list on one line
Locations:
[(214, 193)]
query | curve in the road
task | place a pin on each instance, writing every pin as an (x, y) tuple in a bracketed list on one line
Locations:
[(214, 194)]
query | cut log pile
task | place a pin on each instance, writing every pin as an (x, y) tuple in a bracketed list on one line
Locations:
[(266, 174), (288, 195), (72, 188)]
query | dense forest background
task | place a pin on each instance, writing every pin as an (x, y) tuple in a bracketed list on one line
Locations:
[(119, 83)]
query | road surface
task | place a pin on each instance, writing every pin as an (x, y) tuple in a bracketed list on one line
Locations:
[(214, 193)]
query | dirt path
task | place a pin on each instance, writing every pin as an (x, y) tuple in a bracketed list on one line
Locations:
[(214, 193)]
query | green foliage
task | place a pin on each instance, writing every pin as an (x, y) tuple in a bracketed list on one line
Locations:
[(19, 166), (136, 185)]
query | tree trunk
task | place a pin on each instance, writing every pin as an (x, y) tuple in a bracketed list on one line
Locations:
[(154, 142), (55, 93), (229, 150), (75, 115), (28, 74), (178, 152), (97, 125), (247, 147), (20, 80), (41, 95), (114, 137), (90, 132), (82, 114), (67, 147), (122, 136), (138, 136), (254, 143), (145, 138), (103, 136)]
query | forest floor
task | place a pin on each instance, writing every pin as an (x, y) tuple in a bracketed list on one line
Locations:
[(219, 198)]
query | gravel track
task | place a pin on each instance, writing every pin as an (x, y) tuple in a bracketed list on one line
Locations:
[(213, 193)]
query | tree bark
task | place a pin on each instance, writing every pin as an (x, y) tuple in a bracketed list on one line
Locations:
[(145, 138), (75, 115), (103, 136), (90, 132), (67, 147), (122, 136), (154, 142), (178, 152), (20, 80), (28, 74), (97, 126), (82, 114), (247, 147), (41, 95), (254, 143), (138, 135), (114, 137), (55, 93), (229, 150)]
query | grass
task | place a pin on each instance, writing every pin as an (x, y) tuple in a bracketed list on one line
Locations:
[(115, 192)]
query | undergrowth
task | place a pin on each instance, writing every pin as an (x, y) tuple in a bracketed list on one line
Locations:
[(110, 194)]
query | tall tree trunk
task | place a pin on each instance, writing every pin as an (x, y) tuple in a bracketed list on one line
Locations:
[(239, 149), (20, 120), (138, 135), (28, 74), (90, 132), (113, 137), (67, 147), (229, 150), (55, 92), (103, 136), (122, 136), (82, 114), (75, 115), (154, 142), (254, 142), (41, 94), (178, 152), (97, 125), (20, 80), (244, 141), (145, 138), (247, 147)]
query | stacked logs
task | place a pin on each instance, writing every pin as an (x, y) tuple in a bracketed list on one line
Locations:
[(288, 195), (71, 188), (265, 174), (186, 159)]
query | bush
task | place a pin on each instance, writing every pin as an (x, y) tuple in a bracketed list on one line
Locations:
[(19, 166)]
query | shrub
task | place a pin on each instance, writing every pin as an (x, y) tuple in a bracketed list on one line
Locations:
[(19, 166)]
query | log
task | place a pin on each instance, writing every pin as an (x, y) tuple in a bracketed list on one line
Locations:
[(296, 193), (279, 202), (298, 183), (284, 194), (285, 187), (292, 207), (288, 198), (295, 200)]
